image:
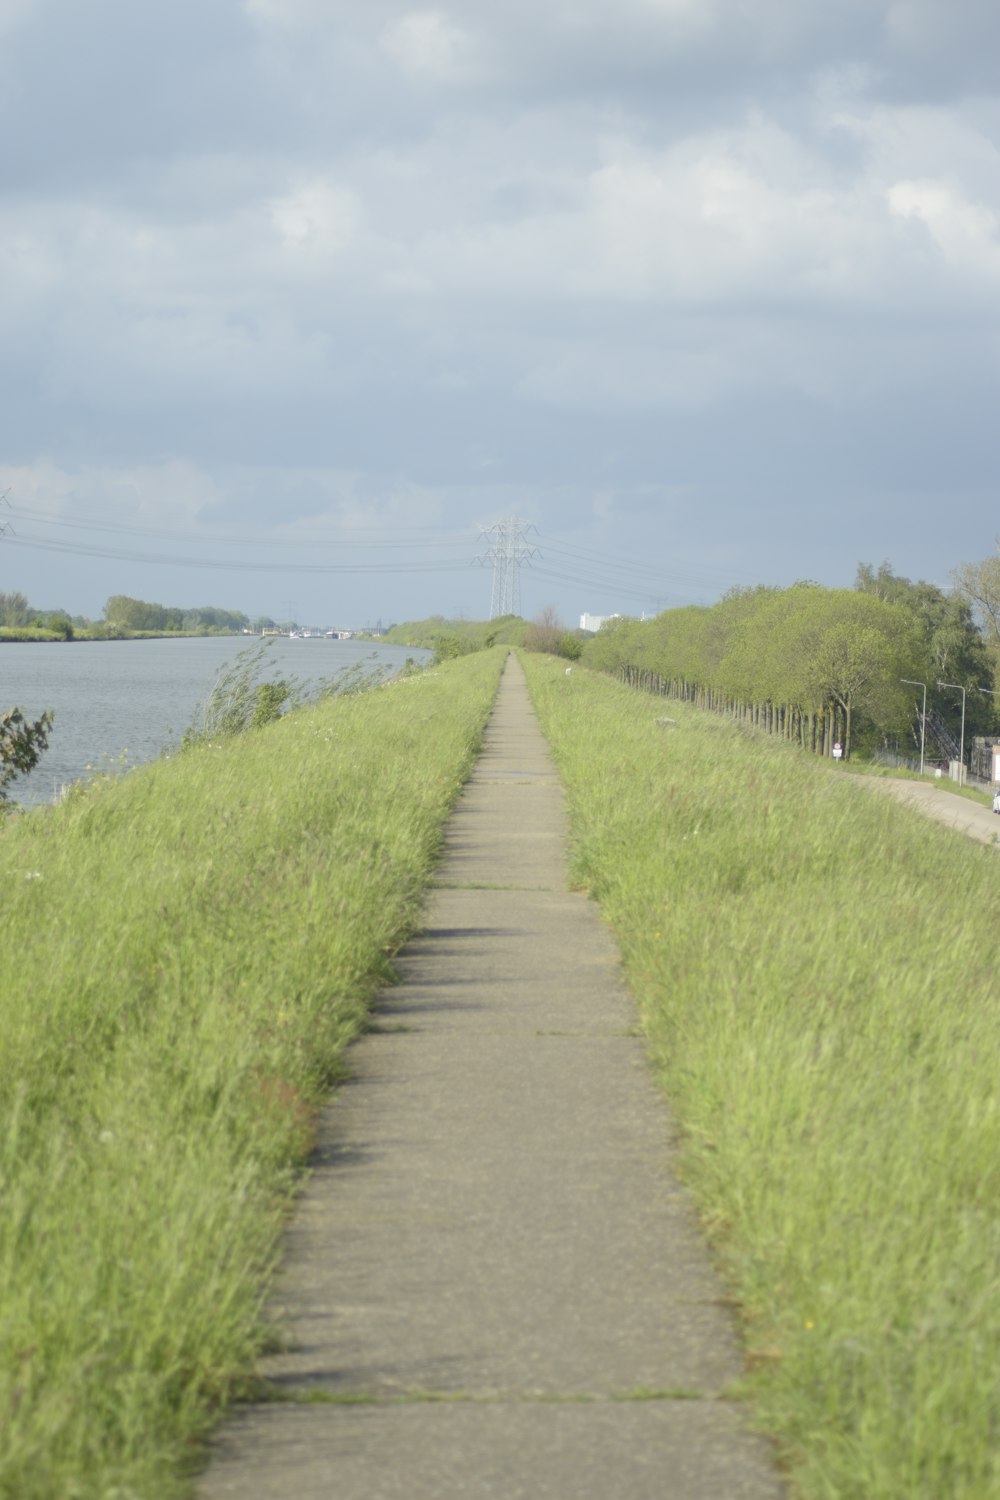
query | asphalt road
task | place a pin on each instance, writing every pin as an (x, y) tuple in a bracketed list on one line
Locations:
[(934, 801)]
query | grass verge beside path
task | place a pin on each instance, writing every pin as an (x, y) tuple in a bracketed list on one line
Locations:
[(817, 970), (186, 954)]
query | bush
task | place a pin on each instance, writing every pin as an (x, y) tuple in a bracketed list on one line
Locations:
[(21, 743)]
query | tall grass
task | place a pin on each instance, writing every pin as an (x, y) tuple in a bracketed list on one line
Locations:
[(247, 693), (186, 954), (817, 969)]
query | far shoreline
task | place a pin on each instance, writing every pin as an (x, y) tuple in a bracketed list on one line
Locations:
[(28, 637)]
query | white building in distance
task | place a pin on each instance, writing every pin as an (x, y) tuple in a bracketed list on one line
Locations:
[(594, 622)]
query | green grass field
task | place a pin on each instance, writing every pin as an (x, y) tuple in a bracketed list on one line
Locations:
[(187, 952), (817, 971)]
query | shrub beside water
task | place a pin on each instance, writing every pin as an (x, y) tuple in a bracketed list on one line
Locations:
[(188, 951), (817, 971)]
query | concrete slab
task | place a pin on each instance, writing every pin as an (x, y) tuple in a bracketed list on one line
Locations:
[(493, 1260), (681, 1450)]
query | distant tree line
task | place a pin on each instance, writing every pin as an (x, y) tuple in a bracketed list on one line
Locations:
[(122, 614), (451, 638), (138, 614), (821, 666)]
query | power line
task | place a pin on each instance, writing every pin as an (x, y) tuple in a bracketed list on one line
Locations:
[(81, 549), (426, 550), (635, 569), (377, 540)]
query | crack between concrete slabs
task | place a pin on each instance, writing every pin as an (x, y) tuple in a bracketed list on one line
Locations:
[(266, 1393)]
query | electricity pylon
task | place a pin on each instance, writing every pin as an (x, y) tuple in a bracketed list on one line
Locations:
[(506, 551)]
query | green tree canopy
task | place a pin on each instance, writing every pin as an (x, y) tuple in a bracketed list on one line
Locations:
[(126, 613), (14, 610), (808, 649), (954, 646)]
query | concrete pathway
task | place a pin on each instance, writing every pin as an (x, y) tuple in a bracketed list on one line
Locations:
[(494, 1285)]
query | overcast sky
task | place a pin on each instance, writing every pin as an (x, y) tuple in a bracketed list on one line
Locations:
[(297, 296)]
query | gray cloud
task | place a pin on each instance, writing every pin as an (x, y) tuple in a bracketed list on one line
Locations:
[(706, 283)]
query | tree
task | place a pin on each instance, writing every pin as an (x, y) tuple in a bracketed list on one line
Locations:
[(979, 585), (545, 632), (124, 613), (610, 648), (952, 638), (209, 618), (826, 654), (127, 613), (59, 622), (857, 648), (14, 610), (21, 743)]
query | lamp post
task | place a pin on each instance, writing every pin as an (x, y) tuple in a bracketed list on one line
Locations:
[(923, 716), (961, 749)]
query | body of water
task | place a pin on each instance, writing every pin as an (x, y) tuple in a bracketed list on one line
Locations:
[(128, 701)]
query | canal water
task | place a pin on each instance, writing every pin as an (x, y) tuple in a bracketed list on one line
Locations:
[(125, 702)]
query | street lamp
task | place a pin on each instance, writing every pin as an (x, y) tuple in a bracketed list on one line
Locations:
[(923, 716), (961, 749)]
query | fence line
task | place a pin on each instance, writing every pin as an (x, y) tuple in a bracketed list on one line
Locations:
[(893, 758), (816, 732)]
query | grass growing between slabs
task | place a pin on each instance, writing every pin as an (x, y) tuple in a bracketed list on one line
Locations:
[(186, 954), (817, 970)]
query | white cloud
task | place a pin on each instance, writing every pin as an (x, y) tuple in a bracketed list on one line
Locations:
[(284, 14), (685, 10), (427, 45), (172, 493), (965, 232), (318, 218), (678, 18), (717, 217), (616, 377)]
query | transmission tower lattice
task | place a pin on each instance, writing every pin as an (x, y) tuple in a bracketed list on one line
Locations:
[(506, 551)]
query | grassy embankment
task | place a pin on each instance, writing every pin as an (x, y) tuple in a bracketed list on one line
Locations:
[(817, 970), (187, 952), (28, 633)]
